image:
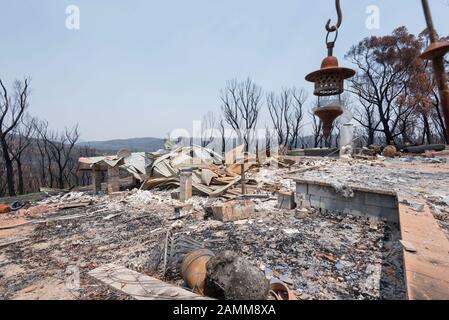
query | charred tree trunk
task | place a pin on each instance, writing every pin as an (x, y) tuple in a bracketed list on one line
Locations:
[(20, 187), (50, 174), (386, 127), (427, 132), (370, 137), (9, 169), (43, 175), (441, 123), (223, 145), (61, 178)]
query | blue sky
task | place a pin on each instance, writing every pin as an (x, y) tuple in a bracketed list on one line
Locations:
[(140, 68)]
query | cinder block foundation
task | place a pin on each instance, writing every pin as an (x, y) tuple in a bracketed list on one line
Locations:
[(361, 202), (286, 200)]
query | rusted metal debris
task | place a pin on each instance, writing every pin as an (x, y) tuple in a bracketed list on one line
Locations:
[(194, 271)]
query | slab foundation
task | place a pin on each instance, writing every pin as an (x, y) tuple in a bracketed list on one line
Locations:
[(426, 265)]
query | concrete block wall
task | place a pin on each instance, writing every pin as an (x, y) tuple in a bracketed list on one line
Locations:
[(365, 203)]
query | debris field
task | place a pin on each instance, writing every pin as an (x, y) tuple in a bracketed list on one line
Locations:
[(48, 248)]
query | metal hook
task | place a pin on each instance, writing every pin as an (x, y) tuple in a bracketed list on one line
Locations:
[(331, 44), (328, 42), (340, 19)]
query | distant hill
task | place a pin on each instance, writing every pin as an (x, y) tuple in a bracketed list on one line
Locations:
[(133, 144)]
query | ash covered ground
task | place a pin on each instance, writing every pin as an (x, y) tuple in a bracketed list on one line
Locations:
[(324, 256)]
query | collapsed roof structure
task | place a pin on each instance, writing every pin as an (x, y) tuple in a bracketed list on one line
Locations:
[(212, 174)]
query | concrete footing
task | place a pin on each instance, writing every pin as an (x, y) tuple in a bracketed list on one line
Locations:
[(234, 210), (355, 201), (286, 200)]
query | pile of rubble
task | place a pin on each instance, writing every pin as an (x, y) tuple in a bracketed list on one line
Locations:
[(193, 195), (324, 257), (318, 256), (212, 175)]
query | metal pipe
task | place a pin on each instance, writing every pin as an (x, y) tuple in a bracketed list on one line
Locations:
[(438, 67), (429, 20)]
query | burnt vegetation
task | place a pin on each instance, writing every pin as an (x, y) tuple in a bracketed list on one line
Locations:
[(33, 155), (393, 99)]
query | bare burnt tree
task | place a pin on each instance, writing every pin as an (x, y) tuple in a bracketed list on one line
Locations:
[(61, 147), (383, 65), (32, 156), (208, 129), (40, 146), (241, 104), (12, 110), (222, 129), (299, 97), (34, 162), (317, 128), (45, 152), (268, 141), (279, 109), (19, 141), (365, 114), (70, 173), (437, 116), (297, 115), (286, 112)]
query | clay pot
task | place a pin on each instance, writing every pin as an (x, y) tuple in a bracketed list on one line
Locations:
[(193, 270), (280, 291)]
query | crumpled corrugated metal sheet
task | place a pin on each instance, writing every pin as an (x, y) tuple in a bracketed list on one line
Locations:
[(165, 171), (137, 164), (111, 161), (169, 164), (143, 165)]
